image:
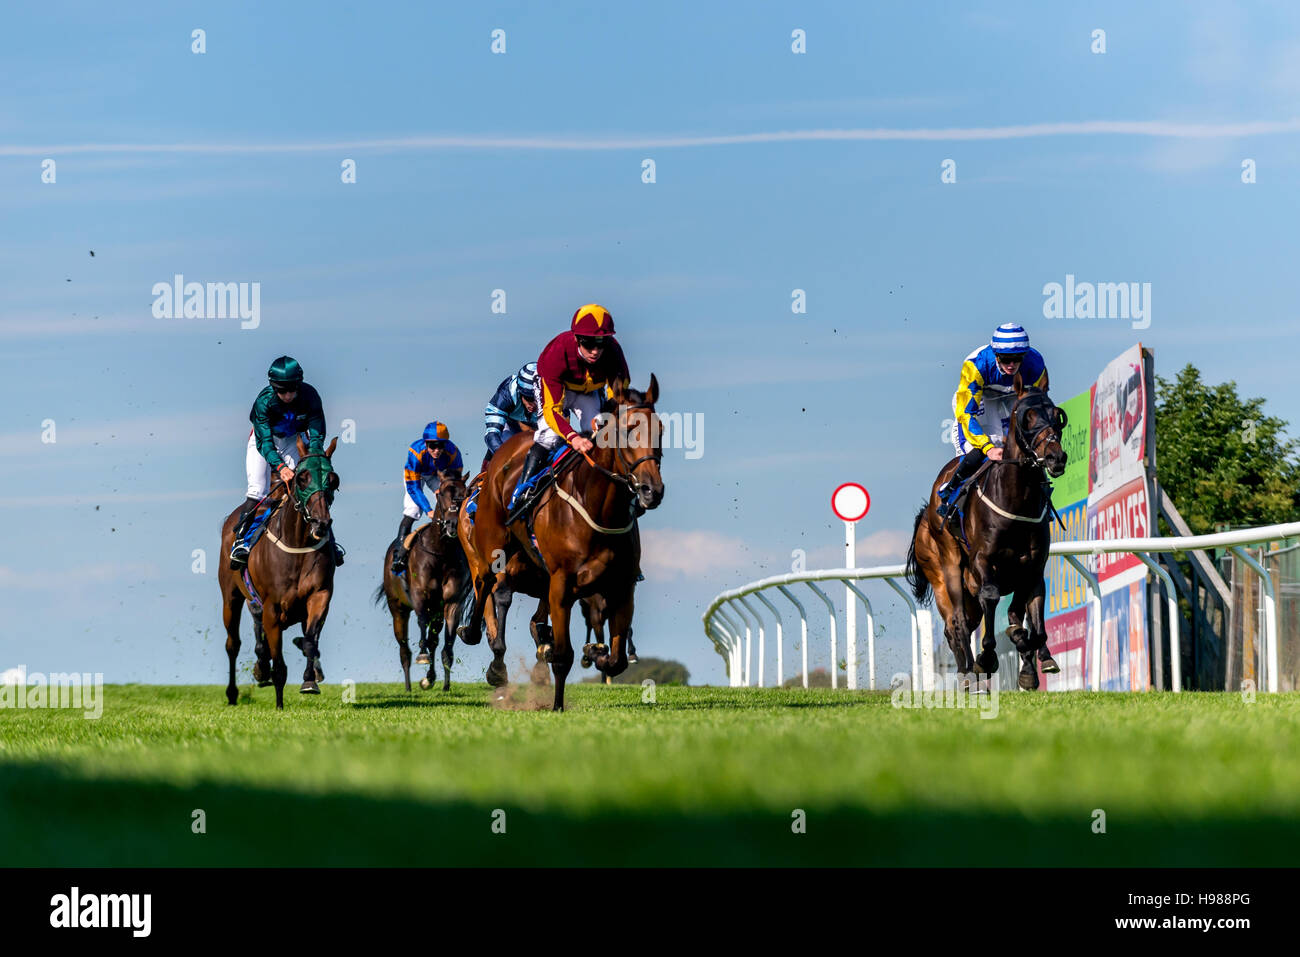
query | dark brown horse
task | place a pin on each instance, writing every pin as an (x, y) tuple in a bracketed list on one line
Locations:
[(583, 546), (292, 572), (1000, 546), (435, 583)]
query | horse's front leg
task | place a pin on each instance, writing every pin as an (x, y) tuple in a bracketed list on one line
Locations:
[(231, 609), (502, 596), (428, 633), (262, 666), (560, 597), (318, 606), (1038, 628), (542, 639), (614, 662), (275, 647), (987, 660)]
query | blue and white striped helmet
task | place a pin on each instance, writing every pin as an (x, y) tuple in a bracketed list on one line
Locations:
[(1010, 337), (526, 377)]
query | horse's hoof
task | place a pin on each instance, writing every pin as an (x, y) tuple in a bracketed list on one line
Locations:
[(1028, 682), (297, 642), (309, 687), (541, 674), (986, 663), (1049, 666), (586, 662), (425, 684), (544, 653), (320, 675), (423, 658), (262, 673), (496, 675)]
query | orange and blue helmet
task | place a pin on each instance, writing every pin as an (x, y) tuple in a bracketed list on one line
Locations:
[(436, 432), (592, 321)]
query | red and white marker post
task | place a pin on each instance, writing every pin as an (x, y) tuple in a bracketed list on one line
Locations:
[(850, 502)]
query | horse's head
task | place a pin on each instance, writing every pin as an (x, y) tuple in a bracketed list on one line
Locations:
[(451, 495), (636, 435), (1036, 428), (314, 485)]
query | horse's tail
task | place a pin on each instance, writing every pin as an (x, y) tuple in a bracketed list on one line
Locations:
[(378, 597), (915, 577)]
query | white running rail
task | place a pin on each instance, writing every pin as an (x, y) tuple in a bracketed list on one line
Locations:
[(730, 622)]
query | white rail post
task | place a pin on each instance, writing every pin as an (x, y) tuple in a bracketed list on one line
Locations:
[(1094, 623), (737, 632), (917, 683), (1269, 651), (749, 642), (780, 671), (1175, 639), (762, 646), (716, 633), (733, 650), (850, 502), (850, 612), (871, 635), (835, 648), (803, 630)]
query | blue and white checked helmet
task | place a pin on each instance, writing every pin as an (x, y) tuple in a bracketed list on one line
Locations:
[(1010, 337), (526, 377)]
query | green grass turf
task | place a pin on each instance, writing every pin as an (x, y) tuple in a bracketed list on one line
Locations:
[(706, 776)]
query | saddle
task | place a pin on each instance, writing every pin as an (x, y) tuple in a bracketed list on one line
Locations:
[(257, 525), (957, 509), (544, 478)]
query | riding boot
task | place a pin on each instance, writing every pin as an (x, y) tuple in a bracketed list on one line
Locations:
[(534, 461), (239, 548), (400, 552), (971, 461)]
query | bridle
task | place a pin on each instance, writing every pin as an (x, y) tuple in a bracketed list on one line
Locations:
[(1052, 423), (626, 475), (300, 502)]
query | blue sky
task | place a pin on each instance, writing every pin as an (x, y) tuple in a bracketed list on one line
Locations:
[(523, 172)]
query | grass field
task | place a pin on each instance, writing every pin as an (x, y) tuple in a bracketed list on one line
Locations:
[(705, 776)]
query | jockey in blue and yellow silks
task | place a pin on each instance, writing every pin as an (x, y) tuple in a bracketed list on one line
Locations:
[(982, 404), (426, 460)]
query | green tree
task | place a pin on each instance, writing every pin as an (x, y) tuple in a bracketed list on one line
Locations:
[(662, 671), (1220, 458)]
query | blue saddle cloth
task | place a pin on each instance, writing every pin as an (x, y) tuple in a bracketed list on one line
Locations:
[(551, 465)]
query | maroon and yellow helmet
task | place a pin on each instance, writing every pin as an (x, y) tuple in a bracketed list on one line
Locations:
[(593, 320)]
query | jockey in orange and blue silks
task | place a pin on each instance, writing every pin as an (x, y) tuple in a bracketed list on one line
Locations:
[(427, 459), (982, 403)]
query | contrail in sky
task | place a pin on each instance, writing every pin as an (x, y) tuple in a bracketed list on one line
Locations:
[(1157, 128)]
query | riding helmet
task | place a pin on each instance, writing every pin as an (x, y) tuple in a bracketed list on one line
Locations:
[(593, 320), (285, 371), (1010, 337)]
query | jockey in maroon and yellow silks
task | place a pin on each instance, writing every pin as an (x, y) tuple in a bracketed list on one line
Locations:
[(576, 373)]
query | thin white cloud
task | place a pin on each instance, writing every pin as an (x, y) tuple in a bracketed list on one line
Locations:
[(670, 552), (1159, 128), (885, 547), (103, 572)]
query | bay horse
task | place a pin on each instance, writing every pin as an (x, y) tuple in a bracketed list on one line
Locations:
[(292, 574), (593, 612), (575, 545), (435, 583), (999, 546)]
